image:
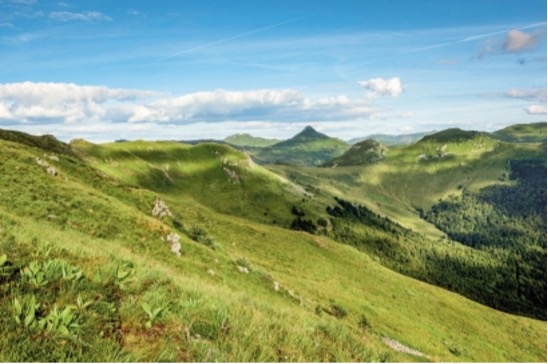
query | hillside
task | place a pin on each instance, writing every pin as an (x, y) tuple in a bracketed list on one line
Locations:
[(392, 140), (411, 180), (364, 152), (248, 140), (523, 133), (91, 271), (308, 148)]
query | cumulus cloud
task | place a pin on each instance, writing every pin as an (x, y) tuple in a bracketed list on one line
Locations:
[(537, 94), (536, 110), (380, 87), (61, 102), (517, 41), (42, 103), (89, 16)]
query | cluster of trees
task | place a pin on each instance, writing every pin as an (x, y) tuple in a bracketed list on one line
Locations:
[(509, 223), (506, 274)]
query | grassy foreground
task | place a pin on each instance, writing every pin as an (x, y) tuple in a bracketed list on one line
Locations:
[(86, 273)]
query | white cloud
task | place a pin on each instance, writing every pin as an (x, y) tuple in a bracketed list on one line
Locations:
[(536, 110), (380, 87), (89, 16), (45, 103), (517, 41), (66, 102), (537, 94)]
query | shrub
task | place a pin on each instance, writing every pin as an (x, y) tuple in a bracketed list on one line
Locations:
[(200, 235)]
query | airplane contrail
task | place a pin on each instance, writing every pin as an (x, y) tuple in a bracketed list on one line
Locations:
[(234, 37), (471, 38)]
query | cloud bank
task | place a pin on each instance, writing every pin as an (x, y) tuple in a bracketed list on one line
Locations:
[(67, 103)]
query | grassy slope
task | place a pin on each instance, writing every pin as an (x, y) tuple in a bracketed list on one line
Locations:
[(216, 175), (247, 140), (245, 318), (362, 153), (535, 132), (402, 181)]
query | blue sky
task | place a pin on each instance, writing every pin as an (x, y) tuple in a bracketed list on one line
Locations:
[(106, 70)]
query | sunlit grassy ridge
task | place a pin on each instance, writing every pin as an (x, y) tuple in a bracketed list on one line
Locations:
[(535, 132), (102, 262), (247, 140)]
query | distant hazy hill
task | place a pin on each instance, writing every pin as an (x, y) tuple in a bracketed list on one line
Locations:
[(364, 152), (390, 140), (535, 132), (248, 140), (306, 148)]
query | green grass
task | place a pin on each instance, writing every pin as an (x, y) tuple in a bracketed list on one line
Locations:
[(247, 140), (98, 221), (523, 133)]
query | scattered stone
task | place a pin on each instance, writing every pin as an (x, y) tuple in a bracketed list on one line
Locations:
[(232, 175), (52, 216), (42, 162), (242, 269), (53, 158), (276, 286), (173, 239), (160, 209), (211, 272), (51, 170), (393, 344)]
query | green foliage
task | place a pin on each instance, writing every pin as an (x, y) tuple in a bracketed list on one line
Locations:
[(153, 313), (122, 273), (200, 235), (337, 311), (511, 219), (364, 323), (304, 225)]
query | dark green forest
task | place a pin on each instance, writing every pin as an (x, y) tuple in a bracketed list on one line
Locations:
[(507, 220), (507, 273)]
